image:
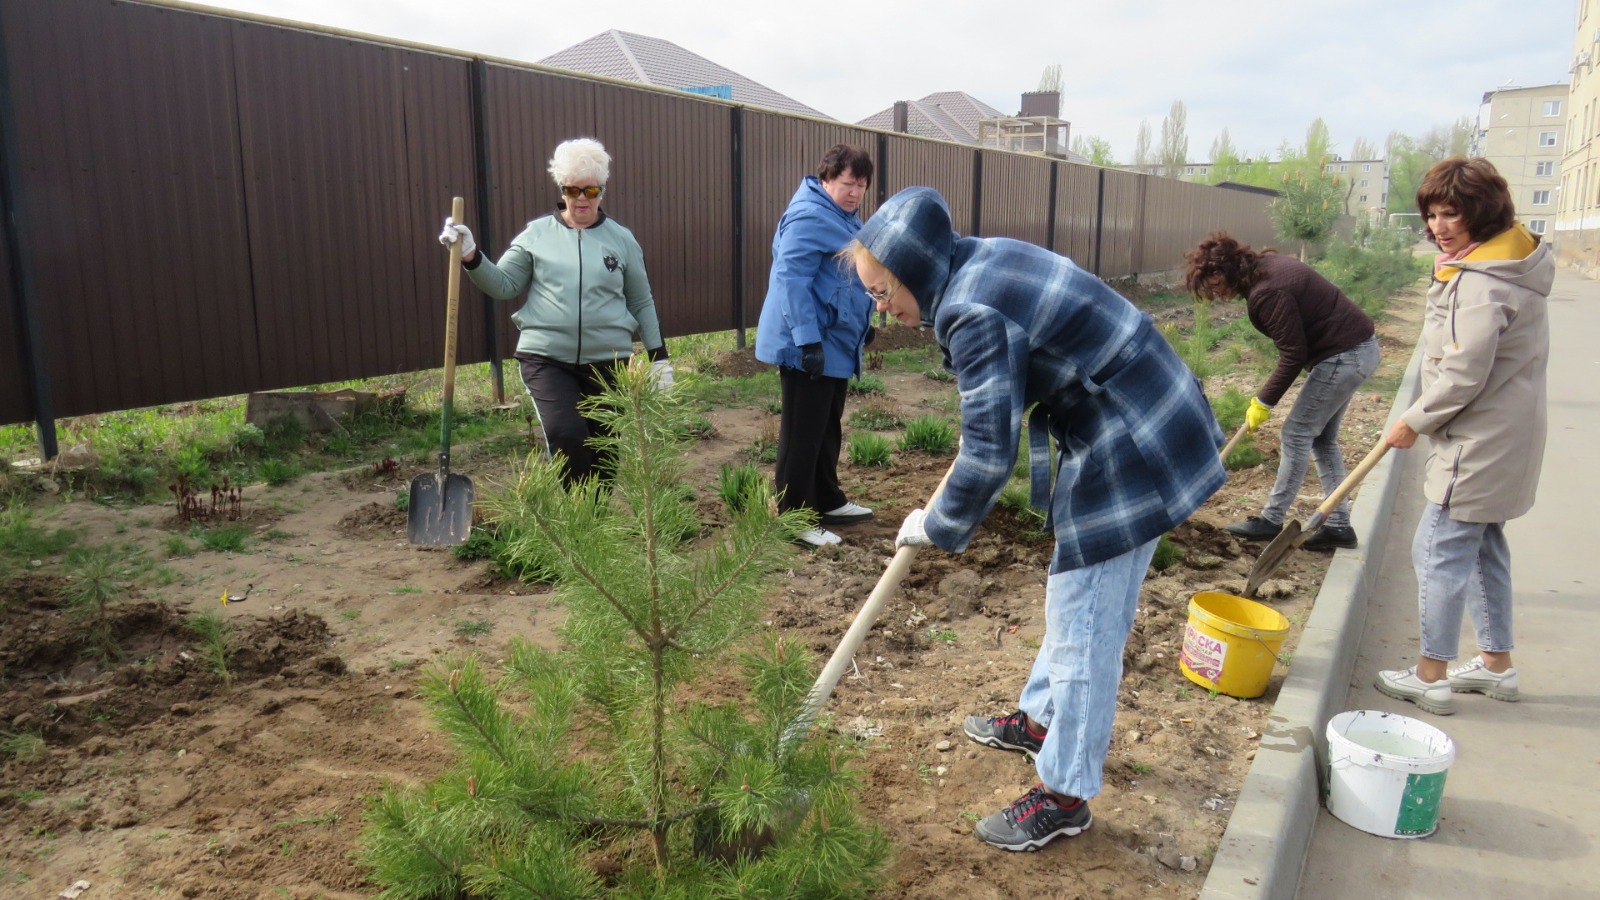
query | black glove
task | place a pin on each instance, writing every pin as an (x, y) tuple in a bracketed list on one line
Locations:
[(811, 359), (872, 335)]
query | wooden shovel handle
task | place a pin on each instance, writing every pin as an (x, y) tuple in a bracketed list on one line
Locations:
[(1354, 478), (1227, 449), (887, 583), (452, 309)]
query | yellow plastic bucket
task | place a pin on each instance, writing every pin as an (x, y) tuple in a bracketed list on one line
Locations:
[(1231, 643)]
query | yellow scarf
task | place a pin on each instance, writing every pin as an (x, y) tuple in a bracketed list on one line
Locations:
[(1515, 242)]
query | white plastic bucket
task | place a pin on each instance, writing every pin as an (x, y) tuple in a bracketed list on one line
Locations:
[(1386, 772)]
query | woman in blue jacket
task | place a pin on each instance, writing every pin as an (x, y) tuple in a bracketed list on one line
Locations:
[(814, 322), (1136, 454)]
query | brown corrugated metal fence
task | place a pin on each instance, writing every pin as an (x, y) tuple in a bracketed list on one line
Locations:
[(210, 205)]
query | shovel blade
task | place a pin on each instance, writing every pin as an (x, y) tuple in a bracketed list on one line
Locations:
[(1271, 558), (439, 513)]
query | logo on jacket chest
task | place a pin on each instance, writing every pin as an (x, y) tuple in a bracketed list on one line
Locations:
[(611, 263)]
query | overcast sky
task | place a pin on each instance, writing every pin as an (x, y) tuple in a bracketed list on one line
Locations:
[(1263, 70)]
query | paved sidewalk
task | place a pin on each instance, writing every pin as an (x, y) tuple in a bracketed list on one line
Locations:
[(1521, 810)]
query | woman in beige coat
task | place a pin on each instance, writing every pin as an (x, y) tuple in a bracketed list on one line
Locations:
[(1486, 342)]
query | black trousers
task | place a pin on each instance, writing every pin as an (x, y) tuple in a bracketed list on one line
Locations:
[(809, 437), (556, 388)]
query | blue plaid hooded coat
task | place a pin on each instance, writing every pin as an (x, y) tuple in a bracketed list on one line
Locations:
[(1021, 326)]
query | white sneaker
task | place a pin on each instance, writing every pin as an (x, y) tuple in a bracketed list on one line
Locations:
[(844, 515), (1429, 696), (819, 537), (1475, 677)]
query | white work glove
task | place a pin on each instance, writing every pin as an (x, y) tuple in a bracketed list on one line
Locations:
[(662, 370), (912, 533), (453, 232)]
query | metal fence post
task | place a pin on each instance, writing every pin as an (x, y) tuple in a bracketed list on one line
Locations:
[(23, 286)]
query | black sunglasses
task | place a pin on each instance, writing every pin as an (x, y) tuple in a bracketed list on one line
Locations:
[(573, 191)]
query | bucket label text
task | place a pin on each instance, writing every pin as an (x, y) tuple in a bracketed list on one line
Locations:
[(1203, 654)]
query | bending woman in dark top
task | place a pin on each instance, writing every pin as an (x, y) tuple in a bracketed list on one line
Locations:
[(1316, 328)]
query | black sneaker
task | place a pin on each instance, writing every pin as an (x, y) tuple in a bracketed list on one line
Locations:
[(1331, 537), (1254, 528), (1033, 821), (1004, 733)]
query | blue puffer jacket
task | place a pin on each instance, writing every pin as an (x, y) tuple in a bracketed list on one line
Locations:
[(811, 297)]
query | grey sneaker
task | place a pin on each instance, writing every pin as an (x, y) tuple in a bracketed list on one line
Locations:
[(1475, 677), (1004, 733), (1032, 821), (1429, 696)]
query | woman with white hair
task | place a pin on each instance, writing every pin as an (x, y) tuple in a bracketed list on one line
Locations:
[(587, 297)]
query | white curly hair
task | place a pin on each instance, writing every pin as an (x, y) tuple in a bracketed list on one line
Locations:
[(580, 159)]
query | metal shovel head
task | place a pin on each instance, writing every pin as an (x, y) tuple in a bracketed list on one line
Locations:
[(1272, 557), (439, 513)]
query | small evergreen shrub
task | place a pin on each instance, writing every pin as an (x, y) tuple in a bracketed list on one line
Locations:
[(1167, 553), (866, 384), (600, 769)]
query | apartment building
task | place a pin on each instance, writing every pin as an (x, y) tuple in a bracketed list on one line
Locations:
[(1522, 130), (1577, 211), (1366, 184)]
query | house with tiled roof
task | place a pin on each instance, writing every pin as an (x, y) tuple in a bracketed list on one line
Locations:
[(943, 116), (647, 60)]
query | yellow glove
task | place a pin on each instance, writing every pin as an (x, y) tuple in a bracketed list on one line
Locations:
[(1257, 414)]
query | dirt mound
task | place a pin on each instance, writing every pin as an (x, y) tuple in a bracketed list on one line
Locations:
[(374, 521)]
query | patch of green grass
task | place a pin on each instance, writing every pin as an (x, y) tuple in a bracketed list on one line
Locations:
[(1016, 496), (349, 615), (173, 546), (864, 384), (874, 417), (741, 485), (24, 747), (277, 471), (229, 538), (868, 449), (471, 628), (929, 434), (402, 500), (939, 374), (406, 589), (21, 539), (1197, 345), (749, 390)]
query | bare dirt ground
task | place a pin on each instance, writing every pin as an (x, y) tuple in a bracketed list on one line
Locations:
[(160, 780)]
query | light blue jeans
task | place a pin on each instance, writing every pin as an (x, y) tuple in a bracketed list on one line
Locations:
[(1461, 565), (1072, 689), (1312, 429)]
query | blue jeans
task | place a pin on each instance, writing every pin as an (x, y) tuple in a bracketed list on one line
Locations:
[(1072, 689), (1461, 565), (1312, 428)]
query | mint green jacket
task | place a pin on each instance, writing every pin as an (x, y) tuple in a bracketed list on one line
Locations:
[(588, 294)]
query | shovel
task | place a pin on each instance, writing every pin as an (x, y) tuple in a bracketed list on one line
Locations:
[(1227, 449), (1293, 534), (440, 509), (885, 588)]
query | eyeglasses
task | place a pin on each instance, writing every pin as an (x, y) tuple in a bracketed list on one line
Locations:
[(592, 191), (882, 297)]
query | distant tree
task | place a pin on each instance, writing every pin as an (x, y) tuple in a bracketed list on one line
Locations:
[(1096, 149), (1224, 159), (1319, 143), (1174, 141), (1141, 145), (1363, 149), (1409, 158), (1051, 79)]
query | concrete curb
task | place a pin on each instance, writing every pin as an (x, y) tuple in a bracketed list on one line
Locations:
[(1264, 849)]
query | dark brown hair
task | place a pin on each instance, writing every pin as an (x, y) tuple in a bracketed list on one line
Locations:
[(1475, 188), (841, 157), (1222, 254)]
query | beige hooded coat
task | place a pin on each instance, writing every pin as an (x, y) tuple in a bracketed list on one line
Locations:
[(1486, 342)]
